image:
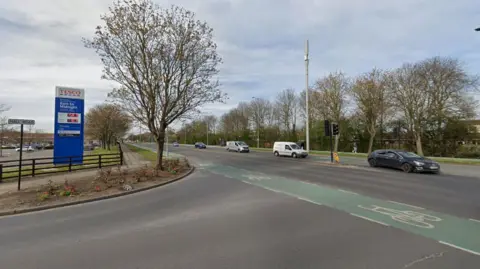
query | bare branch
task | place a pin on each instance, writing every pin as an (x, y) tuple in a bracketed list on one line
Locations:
[(164, 61)]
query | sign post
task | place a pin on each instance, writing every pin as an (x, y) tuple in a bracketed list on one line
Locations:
[(21, 122), (69, 118)]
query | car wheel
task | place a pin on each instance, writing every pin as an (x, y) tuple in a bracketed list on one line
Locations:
[(276, 153), (294, 155), (372, 162), (407, 168)]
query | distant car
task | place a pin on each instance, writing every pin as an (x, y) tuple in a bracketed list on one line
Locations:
[(175, 144), (404, 160), (200, 145), (27, 149), (238, 146)]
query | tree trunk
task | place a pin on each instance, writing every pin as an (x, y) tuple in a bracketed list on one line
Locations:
[(418, 142), (370, 143), (335, 146), (160, 140)]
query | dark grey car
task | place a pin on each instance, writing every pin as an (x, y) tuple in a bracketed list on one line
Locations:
[(404, 160)]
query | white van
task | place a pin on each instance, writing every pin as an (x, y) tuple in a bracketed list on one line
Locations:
[(238, 146), (289, 149)]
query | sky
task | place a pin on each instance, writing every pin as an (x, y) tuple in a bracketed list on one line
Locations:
[(261, 43)]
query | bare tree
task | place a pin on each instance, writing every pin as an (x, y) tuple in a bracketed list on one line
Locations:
[(405, 84), (163, 59), (431, 92), (333, 91), (211, 122), (370, 94), (259, 110), (287, 109)]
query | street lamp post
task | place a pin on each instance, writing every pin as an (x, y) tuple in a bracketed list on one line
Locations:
[(307, 114)]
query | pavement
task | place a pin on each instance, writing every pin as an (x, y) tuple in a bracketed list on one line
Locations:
[(254, 210)]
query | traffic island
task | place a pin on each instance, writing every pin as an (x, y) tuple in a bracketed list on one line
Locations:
[(107, 183)]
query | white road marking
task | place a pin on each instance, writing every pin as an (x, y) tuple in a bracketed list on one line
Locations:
[(351, 192), (412, 206), (365, 218), (267, 188), (475, 220), (460, 248), (308, 200)]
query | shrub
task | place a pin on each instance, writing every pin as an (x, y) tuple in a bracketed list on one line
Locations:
[(468, 151)]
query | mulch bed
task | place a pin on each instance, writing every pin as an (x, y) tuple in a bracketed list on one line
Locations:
[(108, 181)]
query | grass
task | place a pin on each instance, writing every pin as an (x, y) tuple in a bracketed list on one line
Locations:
[(148, 154), (364, 155), (145, 153), (97, 151)]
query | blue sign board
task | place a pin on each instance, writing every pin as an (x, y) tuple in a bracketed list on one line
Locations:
[(69, 119)]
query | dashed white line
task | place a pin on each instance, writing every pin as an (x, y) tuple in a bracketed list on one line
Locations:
[(351, 192), (476, 220), (412, 206), (308, 200), (460, 248), (372, 220)]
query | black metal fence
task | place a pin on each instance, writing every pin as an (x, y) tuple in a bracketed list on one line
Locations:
[(50, 165)]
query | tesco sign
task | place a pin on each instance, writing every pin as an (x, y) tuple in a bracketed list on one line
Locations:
[(72, 93)]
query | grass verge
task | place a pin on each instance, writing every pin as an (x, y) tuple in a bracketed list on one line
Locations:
[(145, 153)]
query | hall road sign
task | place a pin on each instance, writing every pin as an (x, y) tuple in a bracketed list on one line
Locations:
[(21, 121)]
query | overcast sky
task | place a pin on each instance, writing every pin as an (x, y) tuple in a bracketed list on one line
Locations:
[(260, 41)]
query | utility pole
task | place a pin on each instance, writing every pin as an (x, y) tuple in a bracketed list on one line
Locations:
[(307, 129), (207, 133)]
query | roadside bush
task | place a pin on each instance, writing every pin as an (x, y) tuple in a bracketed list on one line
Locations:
[(469, 151)]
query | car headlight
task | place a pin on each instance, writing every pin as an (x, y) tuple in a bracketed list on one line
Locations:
[(417, 163)]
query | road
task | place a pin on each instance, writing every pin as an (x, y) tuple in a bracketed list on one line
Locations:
[(257, 211)]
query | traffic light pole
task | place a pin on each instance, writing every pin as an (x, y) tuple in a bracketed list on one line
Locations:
[(331, 142)]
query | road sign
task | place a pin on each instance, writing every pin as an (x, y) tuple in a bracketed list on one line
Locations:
[(21, 121), (69, 120)]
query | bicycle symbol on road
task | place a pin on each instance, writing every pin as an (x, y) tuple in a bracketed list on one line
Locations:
[(408, 217)]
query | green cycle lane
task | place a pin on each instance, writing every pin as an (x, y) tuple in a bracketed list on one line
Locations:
[(450, 230)]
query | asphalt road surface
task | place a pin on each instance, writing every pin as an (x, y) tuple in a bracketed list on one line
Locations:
[(256, 211)]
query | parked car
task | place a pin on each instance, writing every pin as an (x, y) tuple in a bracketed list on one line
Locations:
[(200, 145), (238, 146), (289, 149), (25, 148), (404, 160), (175, 144)]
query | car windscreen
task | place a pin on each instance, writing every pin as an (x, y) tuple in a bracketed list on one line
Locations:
[(409, 154), (242, 143)]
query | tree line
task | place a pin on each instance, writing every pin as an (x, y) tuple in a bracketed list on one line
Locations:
[(422, 107)]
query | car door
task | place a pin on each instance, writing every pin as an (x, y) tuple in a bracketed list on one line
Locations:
[(391, 159), (380, 158), (287, 151)]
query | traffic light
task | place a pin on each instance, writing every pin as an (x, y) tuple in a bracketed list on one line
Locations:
[(335, 129), (327, 128)]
